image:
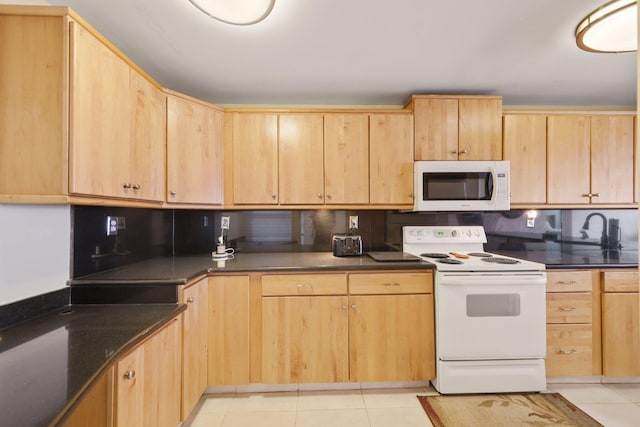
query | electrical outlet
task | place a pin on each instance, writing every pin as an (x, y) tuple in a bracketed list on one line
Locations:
[(115, 224), (353, 221), (205, 221), (224, 223)]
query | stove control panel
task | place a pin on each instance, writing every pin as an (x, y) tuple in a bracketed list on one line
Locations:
[(443, 234)]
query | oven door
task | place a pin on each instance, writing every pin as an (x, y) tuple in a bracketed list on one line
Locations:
[(490, 315)]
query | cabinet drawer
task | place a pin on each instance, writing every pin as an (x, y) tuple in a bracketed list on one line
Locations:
[(569, 281), (569, 350), (390, 283), (569, 307), (304, 284), (620, 281)]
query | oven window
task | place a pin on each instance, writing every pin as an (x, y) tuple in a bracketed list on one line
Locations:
[(493, 305), (457, 185)]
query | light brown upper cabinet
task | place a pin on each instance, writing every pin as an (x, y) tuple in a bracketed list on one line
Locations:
[(255, 158), (117, 137), (590, 159), (194, 151), (457, 127), (301, 159), (525, 146), (346, 157), (391, 159), (100, 121)]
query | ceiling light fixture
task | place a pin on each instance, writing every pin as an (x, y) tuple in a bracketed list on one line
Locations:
[(612, 28), (236, 12)]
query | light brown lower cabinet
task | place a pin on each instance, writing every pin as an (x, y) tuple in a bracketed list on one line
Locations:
[(148, 381), (195, 340), (94, 410), (620, 329), (359, 327), (228, 359), (570, 329)]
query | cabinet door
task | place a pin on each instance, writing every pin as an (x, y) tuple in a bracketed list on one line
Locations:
[(620, 335), (480, 129), (194, 152), (195, 342), (346, 158), (525, 146), (162, 377), (436, 129), (391, 338), (568, 172), (255, 158), (304, 339), (100, 120), (391, 159), (148, 140), (301, 163), (228, 330), (569, 350), (129, 385), (612, 158)]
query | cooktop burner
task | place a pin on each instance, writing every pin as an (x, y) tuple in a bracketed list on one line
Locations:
[(480, 254), (450, 261), (501, 260), (434, 255)]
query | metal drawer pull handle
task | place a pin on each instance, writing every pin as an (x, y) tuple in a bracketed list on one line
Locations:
[(392, 284), (190, 299), (572, 351), (568, 308), (129, 375), (567, 282), (353, 306)]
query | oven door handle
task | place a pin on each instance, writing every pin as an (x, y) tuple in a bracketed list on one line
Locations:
[(533, 279)]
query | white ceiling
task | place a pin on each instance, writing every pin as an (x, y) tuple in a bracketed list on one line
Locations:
[(369, 52)]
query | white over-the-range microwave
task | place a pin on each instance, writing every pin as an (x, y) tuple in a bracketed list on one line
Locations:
[(461, 185)]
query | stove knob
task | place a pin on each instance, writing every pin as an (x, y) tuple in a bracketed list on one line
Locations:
[(454, 233)]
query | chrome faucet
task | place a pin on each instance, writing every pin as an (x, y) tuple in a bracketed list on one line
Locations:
[(604, 238)]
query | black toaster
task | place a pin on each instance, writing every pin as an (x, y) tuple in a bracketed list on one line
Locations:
[(346, 245)]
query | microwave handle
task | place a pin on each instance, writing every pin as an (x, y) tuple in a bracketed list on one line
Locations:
[(490, 185)]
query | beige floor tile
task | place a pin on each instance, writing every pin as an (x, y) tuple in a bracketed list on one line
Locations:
[(613, 414), (630, 391), (344, 399), (277, 401), (259, 419), (208, 419), (392, 398), (333, 418), (587, 393), (216, 403), (394, 417)]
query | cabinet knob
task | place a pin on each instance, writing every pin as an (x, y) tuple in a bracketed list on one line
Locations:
[(328, 195), (136, 187), (173, 193), (129, 375), (190, 299), (126, 185), (273, 196), (464, 151), (353, 306), (344, 307), (595, 195), (454, 151), (319, 195)]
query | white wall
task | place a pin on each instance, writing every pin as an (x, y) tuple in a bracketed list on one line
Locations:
[(35, 250)]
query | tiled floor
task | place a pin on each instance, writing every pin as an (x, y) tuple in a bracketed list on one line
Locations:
[(613, 405)]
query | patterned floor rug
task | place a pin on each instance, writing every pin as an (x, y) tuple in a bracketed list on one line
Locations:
[(508, 410)]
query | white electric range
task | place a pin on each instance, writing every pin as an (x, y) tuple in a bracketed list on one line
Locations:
[(490, 312)]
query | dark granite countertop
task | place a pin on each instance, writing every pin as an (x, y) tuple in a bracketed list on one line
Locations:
[(181, 269), (46, 363), (577, 258)]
